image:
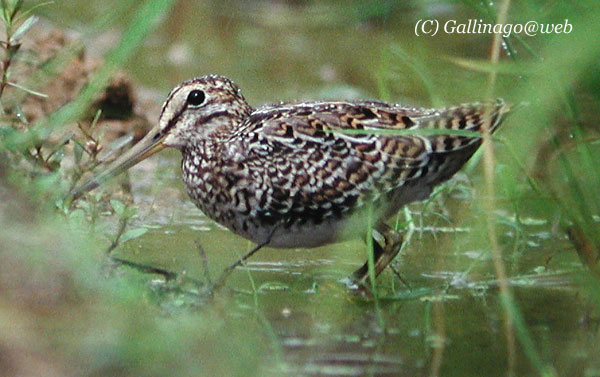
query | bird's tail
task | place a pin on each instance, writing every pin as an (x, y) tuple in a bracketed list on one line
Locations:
[(462, 125)]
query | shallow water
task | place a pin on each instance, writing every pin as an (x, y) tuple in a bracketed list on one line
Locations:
[(449, 320), (451, 312)]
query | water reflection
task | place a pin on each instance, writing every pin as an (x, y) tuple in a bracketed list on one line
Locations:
[(323, 329)]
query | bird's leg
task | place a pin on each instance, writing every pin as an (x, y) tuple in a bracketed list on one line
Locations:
[(204, 258), (240, 261), (383, 255)]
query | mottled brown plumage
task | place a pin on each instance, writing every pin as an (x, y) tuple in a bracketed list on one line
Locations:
[(304, 174)]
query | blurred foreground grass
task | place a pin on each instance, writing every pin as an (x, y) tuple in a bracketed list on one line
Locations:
[(60, 315)]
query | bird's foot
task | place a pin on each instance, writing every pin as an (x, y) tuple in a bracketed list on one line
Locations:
[(383, 256)]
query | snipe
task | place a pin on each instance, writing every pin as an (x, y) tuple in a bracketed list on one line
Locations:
[(306, 174)]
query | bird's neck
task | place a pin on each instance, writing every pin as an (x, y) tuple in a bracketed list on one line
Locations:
[(218, 132), (224, 123)]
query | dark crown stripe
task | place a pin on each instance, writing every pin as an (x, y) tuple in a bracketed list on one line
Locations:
[(170, 97), (173, 121)]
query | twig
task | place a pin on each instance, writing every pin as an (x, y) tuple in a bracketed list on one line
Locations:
[(122, 226), (169, 275)]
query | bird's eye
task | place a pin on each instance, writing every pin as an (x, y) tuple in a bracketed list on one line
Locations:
[(196, 98)]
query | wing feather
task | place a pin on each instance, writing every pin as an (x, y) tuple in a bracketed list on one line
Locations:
[(328, 158)]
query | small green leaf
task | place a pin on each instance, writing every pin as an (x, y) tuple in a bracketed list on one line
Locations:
[(118, 207), (130, 211), (16, 8), (28, 11), (133, 233), (96, 118), (23, 29), (5, 12), (77, 152)]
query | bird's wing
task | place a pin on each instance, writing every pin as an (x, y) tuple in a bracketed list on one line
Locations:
[(324, 159)]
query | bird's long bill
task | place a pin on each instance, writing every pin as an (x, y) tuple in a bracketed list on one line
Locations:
[(149, 145)]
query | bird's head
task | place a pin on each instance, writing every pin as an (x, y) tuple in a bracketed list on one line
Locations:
[(200, 109), (197, 110)]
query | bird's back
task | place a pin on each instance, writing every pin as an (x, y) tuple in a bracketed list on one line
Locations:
[(305, 164)]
